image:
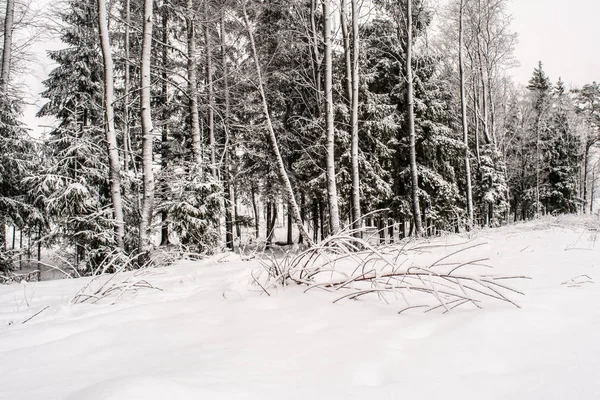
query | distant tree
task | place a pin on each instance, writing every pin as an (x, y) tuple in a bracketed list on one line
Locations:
[(588, 99), (540, 88), (560, 150)]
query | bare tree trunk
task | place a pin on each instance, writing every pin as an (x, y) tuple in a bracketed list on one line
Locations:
[(4, 77), (411, 123), (290, 222), (476, 118), (347, 51), (315, 217), (230, 198), (283, 177), (465, 124), (7, 50), (192, 67), (592, 190), (268, 220), (164, 156), (128, 152), (302, 214), (146, 119), (111, 135), (357, 221), (256, 213), (334, 216), (484, 96), (586, 156), (316, 62), (236, 219), (211, 94), (537, 169)]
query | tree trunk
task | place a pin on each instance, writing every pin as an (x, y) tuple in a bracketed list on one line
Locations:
[(465, 124), (271, 221), (357, 220), (111, 135), (302, 215), (268, 221), (316, 62), (192, 71), (347, 51), (334, 215), (537, 169), (211, 94), (411, 124), (256, 213), (315, 215), (128, 152), (586, 156), (281, 172), (476, 118), (146, 119), (230, 198), (322, 219), (236, 219), (164, 156), (486, 133), (592, 191), (4, 77), (290, 222), (7, 50)]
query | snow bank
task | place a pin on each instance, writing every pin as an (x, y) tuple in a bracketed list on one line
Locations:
[(211, 334)]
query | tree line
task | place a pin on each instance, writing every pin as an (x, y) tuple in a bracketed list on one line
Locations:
[(175, 116)]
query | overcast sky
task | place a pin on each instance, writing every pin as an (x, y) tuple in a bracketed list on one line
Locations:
[(560, 33)]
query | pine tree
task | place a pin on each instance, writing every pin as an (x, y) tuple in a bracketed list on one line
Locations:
[(539, 86), (560, 148)]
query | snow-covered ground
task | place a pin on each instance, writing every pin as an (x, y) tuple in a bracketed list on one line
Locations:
[(209, 333)]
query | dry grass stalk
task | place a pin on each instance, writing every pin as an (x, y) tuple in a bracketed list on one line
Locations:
[(346, 263)]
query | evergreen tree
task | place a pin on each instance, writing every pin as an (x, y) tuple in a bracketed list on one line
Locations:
[(560, 148)]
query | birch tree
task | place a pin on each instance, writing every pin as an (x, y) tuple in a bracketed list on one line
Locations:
[(192, 67), (111, 136), (465, 123), (146, 119), (4, 75), (334, 216), (8, 42), (414, 173)]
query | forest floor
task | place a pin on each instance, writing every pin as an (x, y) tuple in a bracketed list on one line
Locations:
[(204, 330)]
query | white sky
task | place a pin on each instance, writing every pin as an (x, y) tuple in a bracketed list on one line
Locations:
[(560, 33)]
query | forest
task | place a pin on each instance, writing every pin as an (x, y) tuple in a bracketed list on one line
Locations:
[(199, 126)]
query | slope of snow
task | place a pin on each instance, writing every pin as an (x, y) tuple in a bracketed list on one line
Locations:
[(209, 333)]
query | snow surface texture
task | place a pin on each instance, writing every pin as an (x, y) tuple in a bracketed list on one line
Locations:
[(210, 334)]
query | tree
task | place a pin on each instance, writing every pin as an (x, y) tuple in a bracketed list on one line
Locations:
[(334, 216), (560, 150), (540, 86), (465, 123), (111, 136), (414, 174), (4, 74), (147, 140), (356, 216), (281, 172)]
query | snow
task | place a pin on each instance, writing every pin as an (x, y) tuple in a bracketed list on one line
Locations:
[(209, 333)]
